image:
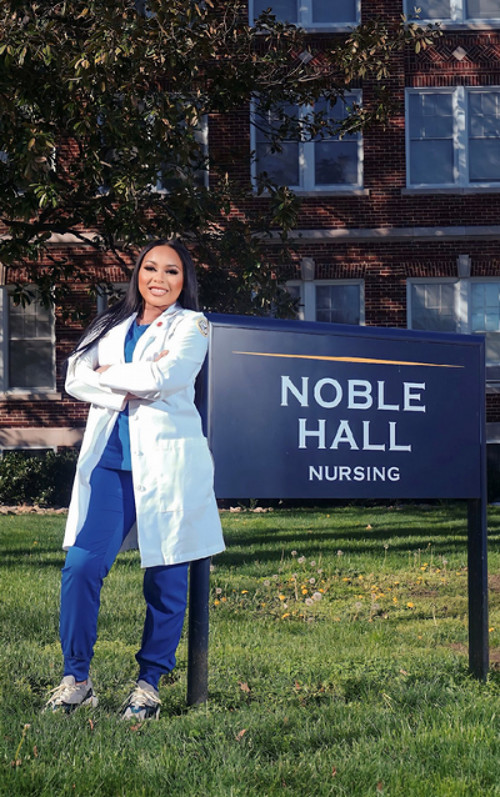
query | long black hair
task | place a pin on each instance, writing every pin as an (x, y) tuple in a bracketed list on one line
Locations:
[(132, 301)]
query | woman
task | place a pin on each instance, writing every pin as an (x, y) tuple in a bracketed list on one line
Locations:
[(144, 470)]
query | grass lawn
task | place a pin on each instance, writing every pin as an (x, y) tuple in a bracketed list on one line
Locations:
[(338, 665)]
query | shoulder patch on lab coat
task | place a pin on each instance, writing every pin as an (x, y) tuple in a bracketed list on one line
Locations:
[(202, 324)]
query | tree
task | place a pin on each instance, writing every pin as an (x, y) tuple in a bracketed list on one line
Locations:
[(99, 102)]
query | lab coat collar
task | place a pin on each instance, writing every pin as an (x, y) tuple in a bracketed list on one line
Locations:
[(170, 311), (157, 329)]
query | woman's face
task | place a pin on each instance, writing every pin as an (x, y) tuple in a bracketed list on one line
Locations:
[(160, 280)]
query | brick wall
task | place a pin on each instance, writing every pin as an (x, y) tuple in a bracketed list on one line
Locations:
[(384, 263)]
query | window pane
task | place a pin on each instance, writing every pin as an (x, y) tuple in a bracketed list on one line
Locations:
[(484, 136), (31, 321), (30, 364), (30, 346), (429, 9), (492, 294), (484, 126), (431, 162), (336, 163), (433, 307), (294, 291), (267, 121), (284, 10), (338, 303), (483, 9), (431, 115), (431, 138), (339, 111), (431, 127), (337, 11), (493, 347), (335, 159), (282, 167), (484, 114), (485, 307), (43, 321), (16, 320), (484, 161)]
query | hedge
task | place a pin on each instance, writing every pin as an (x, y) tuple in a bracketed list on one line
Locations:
[(44, 478)]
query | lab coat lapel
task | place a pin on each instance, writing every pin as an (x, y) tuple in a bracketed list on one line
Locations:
[(112, 345), (156, 334)]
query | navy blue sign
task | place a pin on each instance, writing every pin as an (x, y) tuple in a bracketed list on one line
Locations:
[(300, 410)]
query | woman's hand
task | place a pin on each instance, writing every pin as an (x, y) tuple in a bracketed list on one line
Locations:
[(160, 355), (102, 368)]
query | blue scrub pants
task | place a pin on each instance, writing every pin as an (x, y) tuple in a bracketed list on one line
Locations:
[(110, 516)]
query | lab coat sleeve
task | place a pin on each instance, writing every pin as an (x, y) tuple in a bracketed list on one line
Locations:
[(175, 371), (82, 382)]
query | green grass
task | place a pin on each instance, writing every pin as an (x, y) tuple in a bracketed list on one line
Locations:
[(359, 689)]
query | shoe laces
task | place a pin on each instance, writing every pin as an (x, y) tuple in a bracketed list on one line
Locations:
[(63, 691), (142, 697)]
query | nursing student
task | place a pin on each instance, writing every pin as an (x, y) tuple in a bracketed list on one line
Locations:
[(144, 472)]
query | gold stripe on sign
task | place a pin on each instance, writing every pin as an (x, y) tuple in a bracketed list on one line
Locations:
[(345, 359)]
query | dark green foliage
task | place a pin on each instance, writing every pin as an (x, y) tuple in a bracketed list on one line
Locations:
[(97, 101), (43, 479)]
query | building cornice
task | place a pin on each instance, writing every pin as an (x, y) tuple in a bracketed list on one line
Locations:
[(381, 234), (391, 234)]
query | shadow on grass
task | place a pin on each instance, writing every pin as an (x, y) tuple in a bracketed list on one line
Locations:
[(16, 559), (309, 530), (257, 546)]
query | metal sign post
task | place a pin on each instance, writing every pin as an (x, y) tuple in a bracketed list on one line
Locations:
[(199, 578), (350, 412)]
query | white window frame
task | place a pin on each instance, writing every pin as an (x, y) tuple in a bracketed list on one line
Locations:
[(458, 10), (306, 156), (305, 20), (307, 301), (5, 387), (462, 299), (460, 95)]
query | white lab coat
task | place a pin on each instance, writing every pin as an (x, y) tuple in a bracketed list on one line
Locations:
[(172, 468)]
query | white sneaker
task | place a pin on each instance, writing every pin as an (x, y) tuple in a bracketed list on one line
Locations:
[(143, 703), (69, 695)]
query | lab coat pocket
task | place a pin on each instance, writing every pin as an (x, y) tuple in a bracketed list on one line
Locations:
[(186, 478)]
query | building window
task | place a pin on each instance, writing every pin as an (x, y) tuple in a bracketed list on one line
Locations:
[(337, 302), (171, 175), (453, 137), (310, 13), (467, 306), (192, 129), (109, 293), (455, 11), (28, 346), (433, 306), (321, 164), (294, 288)]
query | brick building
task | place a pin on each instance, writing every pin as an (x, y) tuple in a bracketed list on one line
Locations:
[(399, 227)]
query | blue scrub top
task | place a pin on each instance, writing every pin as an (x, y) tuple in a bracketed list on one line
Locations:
[(116, 455)]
